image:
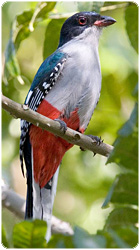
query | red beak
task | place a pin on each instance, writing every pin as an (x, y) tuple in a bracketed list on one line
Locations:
[(104, 21)]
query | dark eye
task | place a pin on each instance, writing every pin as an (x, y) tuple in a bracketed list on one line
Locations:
[(82, 20)]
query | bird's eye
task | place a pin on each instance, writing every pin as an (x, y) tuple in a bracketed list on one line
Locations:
[(82, 20)]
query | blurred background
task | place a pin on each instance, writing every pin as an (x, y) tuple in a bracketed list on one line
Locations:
[(84, 180)]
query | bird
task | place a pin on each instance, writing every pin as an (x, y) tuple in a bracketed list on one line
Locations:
[(66, 88)]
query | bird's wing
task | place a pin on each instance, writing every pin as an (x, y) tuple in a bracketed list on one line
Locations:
[(44, 80)]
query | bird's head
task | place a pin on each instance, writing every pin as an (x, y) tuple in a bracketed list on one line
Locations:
[(79, 23)]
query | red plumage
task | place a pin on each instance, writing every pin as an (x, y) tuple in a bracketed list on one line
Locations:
[(49, 149)]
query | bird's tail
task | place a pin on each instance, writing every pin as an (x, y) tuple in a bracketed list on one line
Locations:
[(28, 163), (39, 201), (43, 199), (47, 200)]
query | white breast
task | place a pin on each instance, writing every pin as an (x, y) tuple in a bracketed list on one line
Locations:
[(80, 82)]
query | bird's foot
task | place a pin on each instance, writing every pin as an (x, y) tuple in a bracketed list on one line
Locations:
[(97, 140), (82, 149), (63, 125)]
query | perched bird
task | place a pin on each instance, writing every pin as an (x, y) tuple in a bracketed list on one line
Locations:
[(67, 88)]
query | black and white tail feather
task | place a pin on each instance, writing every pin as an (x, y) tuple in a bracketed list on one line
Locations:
[(39, 201)]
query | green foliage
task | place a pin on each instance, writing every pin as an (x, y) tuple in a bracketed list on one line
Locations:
[(122, 217), (83, 240), (11, 62), (124, 190), (29, 234), (25, 23), (96, 6), (22, 26), (52, 34), (92, 6), (126, 145), (60, 241), (43, 8), (84, 180), (131, 17), (4, 238)]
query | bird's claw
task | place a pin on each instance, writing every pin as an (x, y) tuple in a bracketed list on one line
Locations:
[(97, 140), (63, 126), (82, 149)]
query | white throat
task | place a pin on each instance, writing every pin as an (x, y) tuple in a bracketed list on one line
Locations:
[(89, 37)]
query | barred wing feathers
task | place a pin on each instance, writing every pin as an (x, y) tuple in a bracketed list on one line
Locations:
[(44, 80)]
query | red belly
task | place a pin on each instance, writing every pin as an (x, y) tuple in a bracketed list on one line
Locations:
[(49, 149)]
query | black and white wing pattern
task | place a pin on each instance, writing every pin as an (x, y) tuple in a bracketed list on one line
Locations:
[(44, 80)]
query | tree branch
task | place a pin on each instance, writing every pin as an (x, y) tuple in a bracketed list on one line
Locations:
[(102, 9), (72, 136), (115, 6), (16, 204)]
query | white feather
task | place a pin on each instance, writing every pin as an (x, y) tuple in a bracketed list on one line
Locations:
[(28, 96), (37, 208), (47, 200), (80, 84), (21, 123)]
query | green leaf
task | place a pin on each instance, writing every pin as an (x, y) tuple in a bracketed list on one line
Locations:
[(96, 6), (84, 6), (129, 235), (125, 151), (90, 6), (119, 241), (124, 190), (121, 237), (21, 27), (30, 234), (82, 239), (17, 34), (60, 241), (131, 18), (27, 21), (135, 92), (109, 195), (52, 36), (45, 7), (121, 218), (23, 18), (131, 126), (112, 3), (11, 62), (4, 239), (23, 33)]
